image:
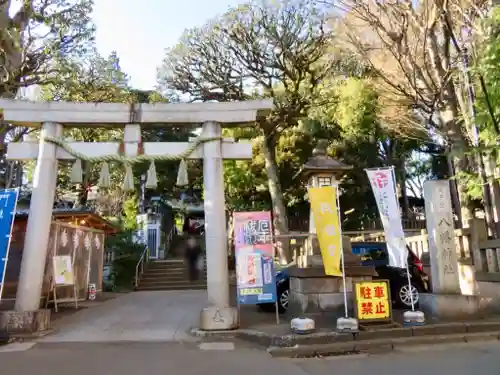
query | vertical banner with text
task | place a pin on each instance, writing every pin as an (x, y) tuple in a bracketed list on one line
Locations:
[(8, 203), (254, 257), (326, 218), (383, 186)]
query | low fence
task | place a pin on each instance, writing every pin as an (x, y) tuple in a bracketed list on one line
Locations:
[(301, 224), (476, 253), (83, 244)]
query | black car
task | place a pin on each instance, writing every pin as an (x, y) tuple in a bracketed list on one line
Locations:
[(372, 254), (375, 254)]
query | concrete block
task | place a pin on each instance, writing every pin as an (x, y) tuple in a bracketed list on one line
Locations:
[(485, 326), (454, 306), (333, 302), (440, 329), (316, 284), (300, 303), (218, 319), (25, 321)]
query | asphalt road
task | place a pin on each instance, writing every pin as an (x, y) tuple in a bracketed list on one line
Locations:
[(189, 359)]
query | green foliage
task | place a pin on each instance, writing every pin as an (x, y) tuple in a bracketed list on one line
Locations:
[(130, 209), (127, 254), (488, 68)]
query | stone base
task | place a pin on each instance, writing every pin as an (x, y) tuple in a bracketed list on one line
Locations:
[(454, 306), (25, 321), (219, 319), (318, 294)]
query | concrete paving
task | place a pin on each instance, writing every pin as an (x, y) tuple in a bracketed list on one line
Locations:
[(139, 316), (189, 359)]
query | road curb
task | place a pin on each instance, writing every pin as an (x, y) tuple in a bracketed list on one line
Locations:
[(377, 346), (375, 341)]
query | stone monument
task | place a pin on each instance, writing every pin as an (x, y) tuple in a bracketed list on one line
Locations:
[(311, 290)]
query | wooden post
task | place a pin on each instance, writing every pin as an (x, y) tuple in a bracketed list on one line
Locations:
[(478, 233)]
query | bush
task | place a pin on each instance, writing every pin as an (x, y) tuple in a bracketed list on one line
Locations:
[(126, 255)]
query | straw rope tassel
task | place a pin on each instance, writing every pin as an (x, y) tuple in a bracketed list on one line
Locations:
[(76, 172), (104, 179), (128, 183), (128, 180), (151, 180), (182, 174)]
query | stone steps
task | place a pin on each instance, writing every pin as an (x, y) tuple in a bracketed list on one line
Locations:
[(169, 275)]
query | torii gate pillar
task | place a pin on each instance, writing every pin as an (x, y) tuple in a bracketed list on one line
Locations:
[(218, 315), (30, 283)]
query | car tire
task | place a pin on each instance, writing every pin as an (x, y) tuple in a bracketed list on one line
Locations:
[(283, 299), (402, 296), (283, 294)]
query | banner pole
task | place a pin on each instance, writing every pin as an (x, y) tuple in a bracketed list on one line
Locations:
[(393, 172), (342, 253)]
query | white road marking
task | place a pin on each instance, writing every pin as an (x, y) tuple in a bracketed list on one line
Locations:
[(216, 346), (17, 347)]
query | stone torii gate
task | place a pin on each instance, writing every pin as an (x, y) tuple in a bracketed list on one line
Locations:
[(53, 116)]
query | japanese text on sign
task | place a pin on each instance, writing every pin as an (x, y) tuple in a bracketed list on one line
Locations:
[(372, 300), (257, 232), (445, 238)]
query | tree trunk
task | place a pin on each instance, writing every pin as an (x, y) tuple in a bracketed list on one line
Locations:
[(494, 190), (279, 211), (404, 193), (458, 147), (84, 186)]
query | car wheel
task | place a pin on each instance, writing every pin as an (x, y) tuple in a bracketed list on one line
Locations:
[(283, 295), (403, 296), (283, 299)]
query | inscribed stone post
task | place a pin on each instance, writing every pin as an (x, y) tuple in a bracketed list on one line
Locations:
[(441, 235)]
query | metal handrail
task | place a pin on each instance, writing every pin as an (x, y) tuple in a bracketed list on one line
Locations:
[(140, 265), (169, 239)]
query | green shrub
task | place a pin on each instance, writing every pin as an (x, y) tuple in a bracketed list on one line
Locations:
[(126, 255)]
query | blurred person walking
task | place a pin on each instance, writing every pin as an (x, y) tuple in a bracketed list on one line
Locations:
[(193, 258)]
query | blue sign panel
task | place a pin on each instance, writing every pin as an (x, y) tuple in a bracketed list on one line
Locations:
[(258, 284), (8, 202), (254, 252)]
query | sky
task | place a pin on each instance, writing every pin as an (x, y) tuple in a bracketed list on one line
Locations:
[(140, 30)]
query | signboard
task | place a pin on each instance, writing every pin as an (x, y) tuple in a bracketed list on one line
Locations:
[(8, 203), (63, 270), (440, 227), (372, 301), (254, 251), (326, 218), (382, 181)]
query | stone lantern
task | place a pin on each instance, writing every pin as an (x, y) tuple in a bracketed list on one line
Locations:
[(322, 170), (311, 290)]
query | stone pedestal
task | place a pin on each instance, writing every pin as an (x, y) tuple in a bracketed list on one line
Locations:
[(311, 291), (25, 321), (456, 306), (219, 319)]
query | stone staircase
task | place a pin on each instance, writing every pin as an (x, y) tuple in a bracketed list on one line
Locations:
[(169, 275)]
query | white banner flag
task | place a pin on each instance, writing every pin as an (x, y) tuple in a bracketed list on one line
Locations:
[(382, 182)]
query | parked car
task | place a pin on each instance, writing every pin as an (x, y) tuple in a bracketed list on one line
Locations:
[(375, 254), (283, 291), (372, 254)]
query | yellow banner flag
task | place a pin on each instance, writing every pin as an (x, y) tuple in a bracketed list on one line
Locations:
[(326, 219)]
